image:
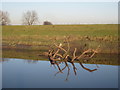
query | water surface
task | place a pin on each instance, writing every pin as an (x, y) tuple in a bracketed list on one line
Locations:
[(21, 73)]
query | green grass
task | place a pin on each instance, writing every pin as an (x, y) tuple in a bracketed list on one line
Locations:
[(60, 30), (40, 37)]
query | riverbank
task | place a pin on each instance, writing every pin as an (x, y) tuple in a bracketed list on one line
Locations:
[(107, 59)]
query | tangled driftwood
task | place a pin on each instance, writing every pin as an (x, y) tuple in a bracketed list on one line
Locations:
[(55, 57)]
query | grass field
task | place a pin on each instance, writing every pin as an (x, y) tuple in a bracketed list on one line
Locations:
[(40, 37)]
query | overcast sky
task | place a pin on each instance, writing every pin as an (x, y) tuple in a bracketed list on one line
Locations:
[(65, 12)]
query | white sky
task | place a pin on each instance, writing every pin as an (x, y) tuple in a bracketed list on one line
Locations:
[(60, 0), (67, 12)]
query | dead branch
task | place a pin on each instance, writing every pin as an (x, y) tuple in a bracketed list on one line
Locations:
[(74, 68), (74, 56), (95, 51), (87, 51), (55, 57), (68, 73), (66, 65), (59, 47), (86, 68), (57, 50)]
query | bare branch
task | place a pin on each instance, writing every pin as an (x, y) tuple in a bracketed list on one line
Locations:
[(89, 50), (59, 55), (95, 51), (57, 50), (74, 57), (60, 47), (62, 68), (86, 68), (74, 68), (56, 57), (68, 45)]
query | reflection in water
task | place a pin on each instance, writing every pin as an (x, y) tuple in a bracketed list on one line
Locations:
[(26, 61), (4, 59), (61, 66), (67, 66), (22, 73), (31, 61)]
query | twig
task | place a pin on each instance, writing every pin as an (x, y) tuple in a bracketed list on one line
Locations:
[(57, 50), (74, 55)]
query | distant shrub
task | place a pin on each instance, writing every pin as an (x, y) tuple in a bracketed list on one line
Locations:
[(47, 23)]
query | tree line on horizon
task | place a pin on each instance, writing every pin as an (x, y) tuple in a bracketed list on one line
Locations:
[(28, 18)]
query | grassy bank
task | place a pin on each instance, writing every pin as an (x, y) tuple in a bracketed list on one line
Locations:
[(39, 37)]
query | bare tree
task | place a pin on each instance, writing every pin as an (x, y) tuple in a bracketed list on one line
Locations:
[(4, 18), (30, 18)]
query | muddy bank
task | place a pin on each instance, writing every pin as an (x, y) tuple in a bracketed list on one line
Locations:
[(108, 59)]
